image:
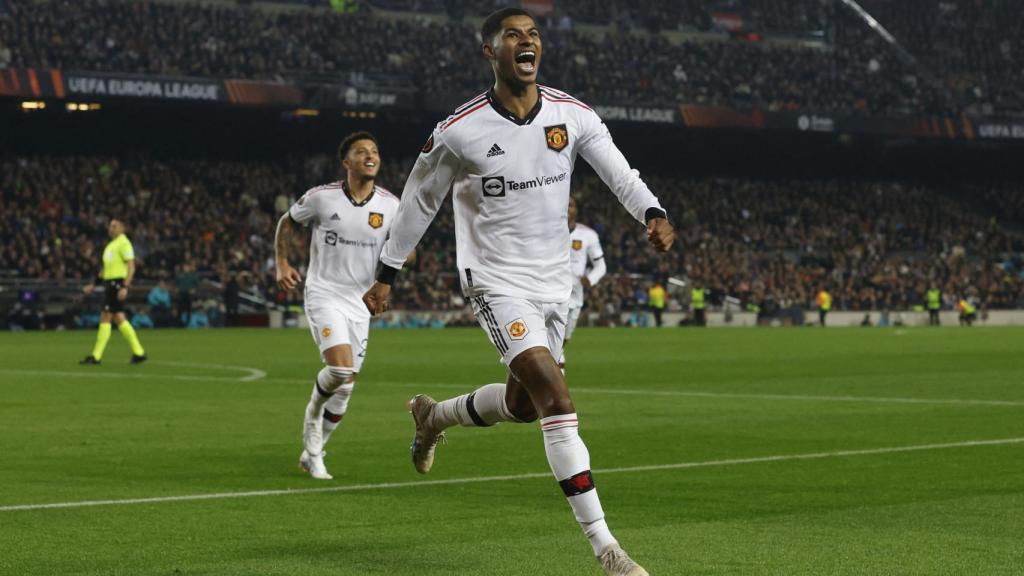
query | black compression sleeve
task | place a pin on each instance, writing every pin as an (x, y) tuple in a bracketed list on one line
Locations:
[(386, 274), (653, 213)]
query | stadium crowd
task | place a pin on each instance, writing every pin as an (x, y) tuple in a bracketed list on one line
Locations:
[(872, 244), (849, 69), (975, 47)]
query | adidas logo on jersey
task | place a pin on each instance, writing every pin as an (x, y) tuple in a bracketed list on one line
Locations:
[(495, 151), (335, 216)]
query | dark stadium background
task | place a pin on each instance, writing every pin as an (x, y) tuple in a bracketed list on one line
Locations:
[(938, 114)]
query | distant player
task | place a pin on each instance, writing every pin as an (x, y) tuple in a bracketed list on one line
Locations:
[(350, 220), (116, 276), (584, 251), (509, 153)]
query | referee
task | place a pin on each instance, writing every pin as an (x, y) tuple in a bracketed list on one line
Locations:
[(118, 271)]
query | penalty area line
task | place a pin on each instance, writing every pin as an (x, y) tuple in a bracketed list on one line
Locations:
[(510, 477)]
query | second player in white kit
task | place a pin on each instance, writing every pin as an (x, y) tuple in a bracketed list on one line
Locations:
[(350, 222), (584, 252)]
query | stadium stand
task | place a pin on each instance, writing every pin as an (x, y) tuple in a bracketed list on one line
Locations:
[(846, 69), (876, 244)]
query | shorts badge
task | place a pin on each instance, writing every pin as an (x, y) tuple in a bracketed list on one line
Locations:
[(326, 332), (376, 220), (557, 137), (517, 329)]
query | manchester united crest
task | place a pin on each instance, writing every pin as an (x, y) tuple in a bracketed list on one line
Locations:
[(376, 220), (577, 244), (557, 137), (517, 329)]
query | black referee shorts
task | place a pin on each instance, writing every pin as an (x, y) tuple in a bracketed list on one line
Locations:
[(110, 302)]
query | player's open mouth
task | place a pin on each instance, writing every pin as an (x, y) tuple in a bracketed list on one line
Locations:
[(370, 164), (525, 61)]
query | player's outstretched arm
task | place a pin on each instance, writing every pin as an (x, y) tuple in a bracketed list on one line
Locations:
[(288, 278), (423, 195), (598, 149)]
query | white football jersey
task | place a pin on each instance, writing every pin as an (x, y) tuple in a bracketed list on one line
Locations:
[(346, 242), (584, 249), (510, 178)]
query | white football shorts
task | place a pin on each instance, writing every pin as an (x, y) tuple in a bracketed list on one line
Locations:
[(332, 326), (516, 324)]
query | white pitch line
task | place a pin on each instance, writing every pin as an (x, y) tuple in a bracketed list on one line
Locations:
[(812, 398), (121, 375), (510, 477), (260, 375), (754, 396), (254, 373)]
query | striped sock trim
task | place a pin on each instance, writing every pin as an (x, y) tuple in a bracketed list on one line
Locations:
[(557, 423), (473, 414)]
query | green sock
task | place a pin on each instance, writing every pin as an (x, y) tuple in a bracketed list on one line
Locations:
[(101, 340), (128, 332)]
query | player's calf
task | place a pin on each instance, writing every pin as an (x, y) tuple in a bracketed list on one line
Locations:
[(335, 409), (328, 381)]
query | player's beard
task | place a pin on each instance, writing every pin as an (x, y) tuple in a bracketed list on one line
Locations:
[(515, 84)]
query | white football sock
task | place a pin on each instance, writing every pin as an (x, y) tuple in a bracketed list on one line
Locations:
[(335, 408), (483, 407), (570, 463), (328, 381)]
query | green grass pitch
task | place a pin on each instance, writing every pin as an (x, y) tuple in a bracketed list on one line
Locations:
[(715, 452)]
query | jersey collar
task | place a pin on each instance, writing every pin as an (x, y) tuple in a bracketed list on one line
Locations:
[(344, 187), (508, 115)]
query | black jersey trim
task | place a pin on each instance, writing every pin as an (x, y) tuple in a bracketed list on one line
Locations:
[(344, 187), (509, 115)]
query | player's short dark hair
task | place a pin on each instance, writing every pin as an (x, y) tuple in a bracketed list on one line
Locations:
[(352, 139), (492, 24)]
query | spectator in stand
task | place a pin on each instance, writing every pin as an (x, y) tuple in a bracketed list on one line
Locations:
[(232, 295), (185, 283), (142, 319), (159, 300)]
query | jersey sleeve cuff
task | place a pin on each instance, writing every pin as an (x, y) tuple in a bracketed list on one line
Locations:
[(653, 213), (386, 274)]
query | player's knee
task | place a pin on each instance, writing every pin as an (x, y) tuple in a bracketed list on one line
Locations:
[(522, 409), (335, 377), (559, 405)]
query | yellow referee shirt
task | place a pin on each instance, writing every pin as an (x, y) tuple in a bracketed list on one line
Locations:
[(115, 258)]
